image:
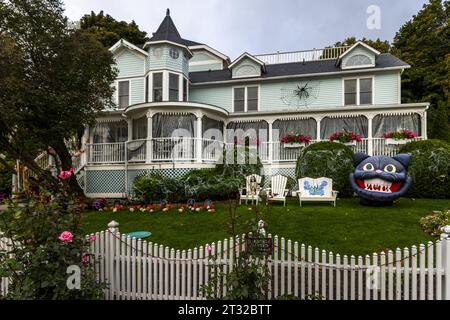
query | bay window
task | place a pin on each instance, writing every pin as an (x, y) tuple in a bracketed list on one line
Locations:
[(157, 87), (173, 87)]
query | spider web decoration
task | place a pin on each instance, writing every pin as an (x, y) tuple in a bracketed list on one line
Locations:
[(300, 94)]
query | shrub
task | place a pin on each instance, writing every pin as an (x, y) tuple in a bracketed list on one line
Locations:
[(432, 224), (429, 168), (219, 183), (153, 187), (327, 159)]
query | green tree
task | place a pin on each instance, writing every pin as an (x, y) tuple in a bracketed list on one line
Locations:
[(108, 30), (424, 42), (54, 81), (440, 128), (381, 45)]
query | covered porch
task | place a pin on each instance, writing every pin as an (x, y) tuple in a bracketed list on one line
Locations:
[(196, 133)]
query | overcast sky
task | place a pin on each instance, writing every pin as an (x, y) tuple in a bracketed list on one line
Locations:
[(264, 26)]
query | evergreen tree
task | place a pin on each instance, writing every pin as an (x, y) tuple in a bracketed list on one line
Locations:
[(108, 30), (381, 45), (440, 128), (424, 42)]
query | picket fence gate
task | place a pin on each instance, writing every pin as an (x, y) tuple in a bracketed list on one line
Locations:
[(139, 269)]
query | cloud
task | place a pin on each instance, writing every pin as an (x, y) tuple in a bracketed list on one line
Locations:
[(257, 26)]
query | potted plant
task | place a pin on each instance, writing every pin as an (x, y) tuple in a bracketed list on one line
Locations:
[(295, 140), (402, 136), (349, 138)]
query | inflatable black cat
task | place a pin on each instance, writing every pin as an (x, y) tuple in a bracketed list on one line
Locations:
[(379, 180)]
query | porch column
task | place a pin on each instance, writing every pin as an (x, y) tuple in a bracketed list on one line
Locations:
[(130, 129), (423, 117), (318, 119), (270, 142), (198, 140), (369, 135), (149, 150)]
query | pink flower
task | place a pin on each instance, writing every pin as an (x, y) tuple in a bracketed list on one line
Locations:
[(92, 238), (66, 236), (65, 175), (209, 248), (85, 259)]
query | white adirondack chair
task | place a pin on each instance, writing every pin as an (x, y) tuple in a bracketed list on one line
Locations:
[(320, 189), (277, 190), (252, 189)]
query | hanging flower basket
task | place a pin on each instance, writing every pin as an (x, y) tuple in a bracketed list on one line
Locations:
[(402, 136), (345, 137), (295, 140)]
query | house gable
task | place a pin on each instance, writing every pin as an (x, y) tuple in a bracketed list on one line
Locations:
[(359, 55), (246, 66)]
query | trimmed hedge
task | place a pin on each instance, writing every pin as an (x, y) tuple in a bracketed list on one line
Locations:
[(327, 159), (429, 168)]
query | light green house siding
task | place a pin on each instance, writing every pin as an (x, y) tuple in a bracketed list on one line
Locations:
[(201, 56), (218, 96), (205, 67), (275, 96), (386, 88), (359, 50), (137, 91), (130, 64), (246, 68), (202, 61), (165, 61)]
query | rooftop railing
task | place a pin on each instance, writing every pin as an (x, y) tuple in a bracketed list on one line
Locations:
[(302, 56)]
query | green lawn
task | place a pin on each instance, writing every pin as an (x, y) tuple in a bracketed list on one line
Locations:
[(347, 229)]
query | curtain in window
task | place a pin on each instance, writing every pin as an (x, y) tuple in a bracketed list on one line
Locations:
[(307, 127), (109, 132), (165, 125), (240, 130), (382, 124), (140, 128), (212, 129), (328, 126)]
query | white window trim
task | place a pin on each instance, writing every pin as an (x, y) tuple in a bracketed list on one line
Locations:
[(358, 91), (245, 97)]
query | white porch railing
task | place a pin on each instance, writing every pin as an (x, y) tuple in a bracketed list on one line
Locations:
[(185, 149), (300, 56)]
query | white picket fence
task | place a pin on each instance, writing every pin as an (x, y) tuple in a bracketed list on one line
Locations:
[(138, 269)]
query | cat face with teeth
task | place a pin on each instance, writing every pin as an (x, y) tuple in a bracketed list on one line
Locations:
[(380, 179)]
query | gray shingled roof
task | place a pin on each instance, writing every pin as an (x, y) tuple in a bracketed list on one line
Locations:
[(384, 60), (168, 31)]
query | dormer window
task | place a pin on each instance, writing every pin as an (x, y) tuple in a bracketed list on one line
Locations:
[(358, 60)]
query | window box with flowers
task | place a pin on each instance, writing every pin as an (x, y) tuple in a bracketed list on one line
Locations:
[(402, 136), (295, 140), (348, 138)]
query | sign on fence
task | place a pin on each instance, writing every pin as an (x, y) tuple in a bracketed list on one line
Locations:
[(262, 245)]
